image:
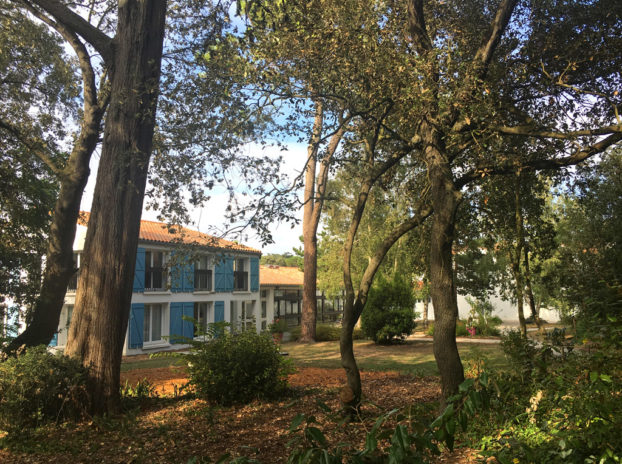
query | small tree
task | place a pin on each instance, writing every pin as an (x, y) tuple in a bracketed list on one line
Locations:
[(389, 315)]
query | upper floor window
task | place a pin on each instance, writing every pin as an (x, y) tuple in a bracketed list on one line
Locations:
[(155, 270), (240, 274), (203, 274)]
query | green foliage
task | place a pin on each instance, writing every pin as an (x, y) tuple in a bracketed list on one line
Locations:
[(412, 440), (482, 319), (554, 408), (236, 367), (38, 387), (285, 259), (388, 314), (327, 333), (278, 326)]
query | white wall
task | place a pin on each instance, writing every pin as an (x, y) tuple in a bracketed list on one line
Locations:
[(502, 308)]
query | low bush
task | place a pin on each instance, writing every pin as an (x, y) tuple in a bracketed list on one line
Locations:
[(388, 314), (482, 319), (39, 387), (239, 367), (553, 408), (327, 333)]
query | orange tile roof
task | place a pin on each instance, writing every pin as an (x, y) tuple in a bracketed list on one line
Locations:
[(160, 232), (280, 275)]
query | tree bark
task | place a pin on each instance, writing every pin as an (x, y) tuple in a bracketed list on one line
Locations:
[(100, 318), (535, 310), (59, 267), (315, 190), (445, 199), (309, 235), (516, 256)]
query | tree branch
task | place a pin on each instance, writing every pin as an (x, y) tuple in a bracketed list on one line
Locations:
[(75, 23), (497, 28), (556, 163), (416, 25), (35, 146), (531, 132)]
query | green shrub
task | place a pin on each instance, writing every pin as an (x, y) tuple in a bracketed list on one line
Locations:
[(327, 333), (38, 387), (482, 319), (388, 314), (237, 368), (568, 411)]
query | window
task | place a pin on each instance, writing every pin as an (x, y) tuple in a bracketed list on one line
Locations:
[(69, 314), (202, 316), (240, 275), (203, 274), (152, 330), (73, 281), (243, 315), (155, 270), (264, 310)]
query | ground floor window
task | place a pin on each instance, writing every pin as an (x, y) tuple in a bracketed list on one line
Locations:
[(203, 315), (243, 315), (154, 314)]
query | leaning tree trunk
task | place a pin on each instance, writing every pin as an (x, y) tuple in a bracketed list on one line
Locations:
[(73, 178), (100, 318), (351, 393), (445, 198)]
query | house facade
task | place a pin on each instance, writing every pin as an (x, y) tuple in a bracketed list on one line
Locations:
[(180, 274), (281, 293)]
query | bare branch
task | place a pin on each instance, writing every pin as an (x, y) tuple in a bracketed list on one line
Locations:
[(577, 157), (530, 131), (36, 146), (497, 28), (75, 23)]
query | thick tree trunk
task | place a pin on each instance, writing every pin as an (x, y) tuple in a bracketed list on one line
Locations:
[(100, 318), (445, 199)]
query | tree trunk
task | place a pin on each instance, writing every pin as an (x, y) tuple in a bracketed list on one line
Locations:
[(309, 235), (516, 258), (100, 317), (426, 308), (351, 393), (445, 199), (535, 310)]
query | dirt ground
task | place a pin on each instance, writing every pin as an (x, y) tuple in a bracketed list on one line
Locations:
[(172, 429)]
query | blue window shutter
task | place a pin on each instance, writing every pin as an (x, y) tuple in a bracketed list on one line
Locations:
[(188, 326), (137, 318), (229, 274), (254, 274), (176, 328), (139, 271), (219, 275), (188, 283), (219, 311), (54, 341)]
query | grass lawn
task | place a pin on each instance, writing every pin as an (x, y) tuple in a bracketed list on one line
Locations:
[(412, 357)]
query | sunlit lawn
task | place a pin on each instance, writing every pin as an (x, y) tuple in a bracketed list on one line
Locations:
[(413, 357)]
